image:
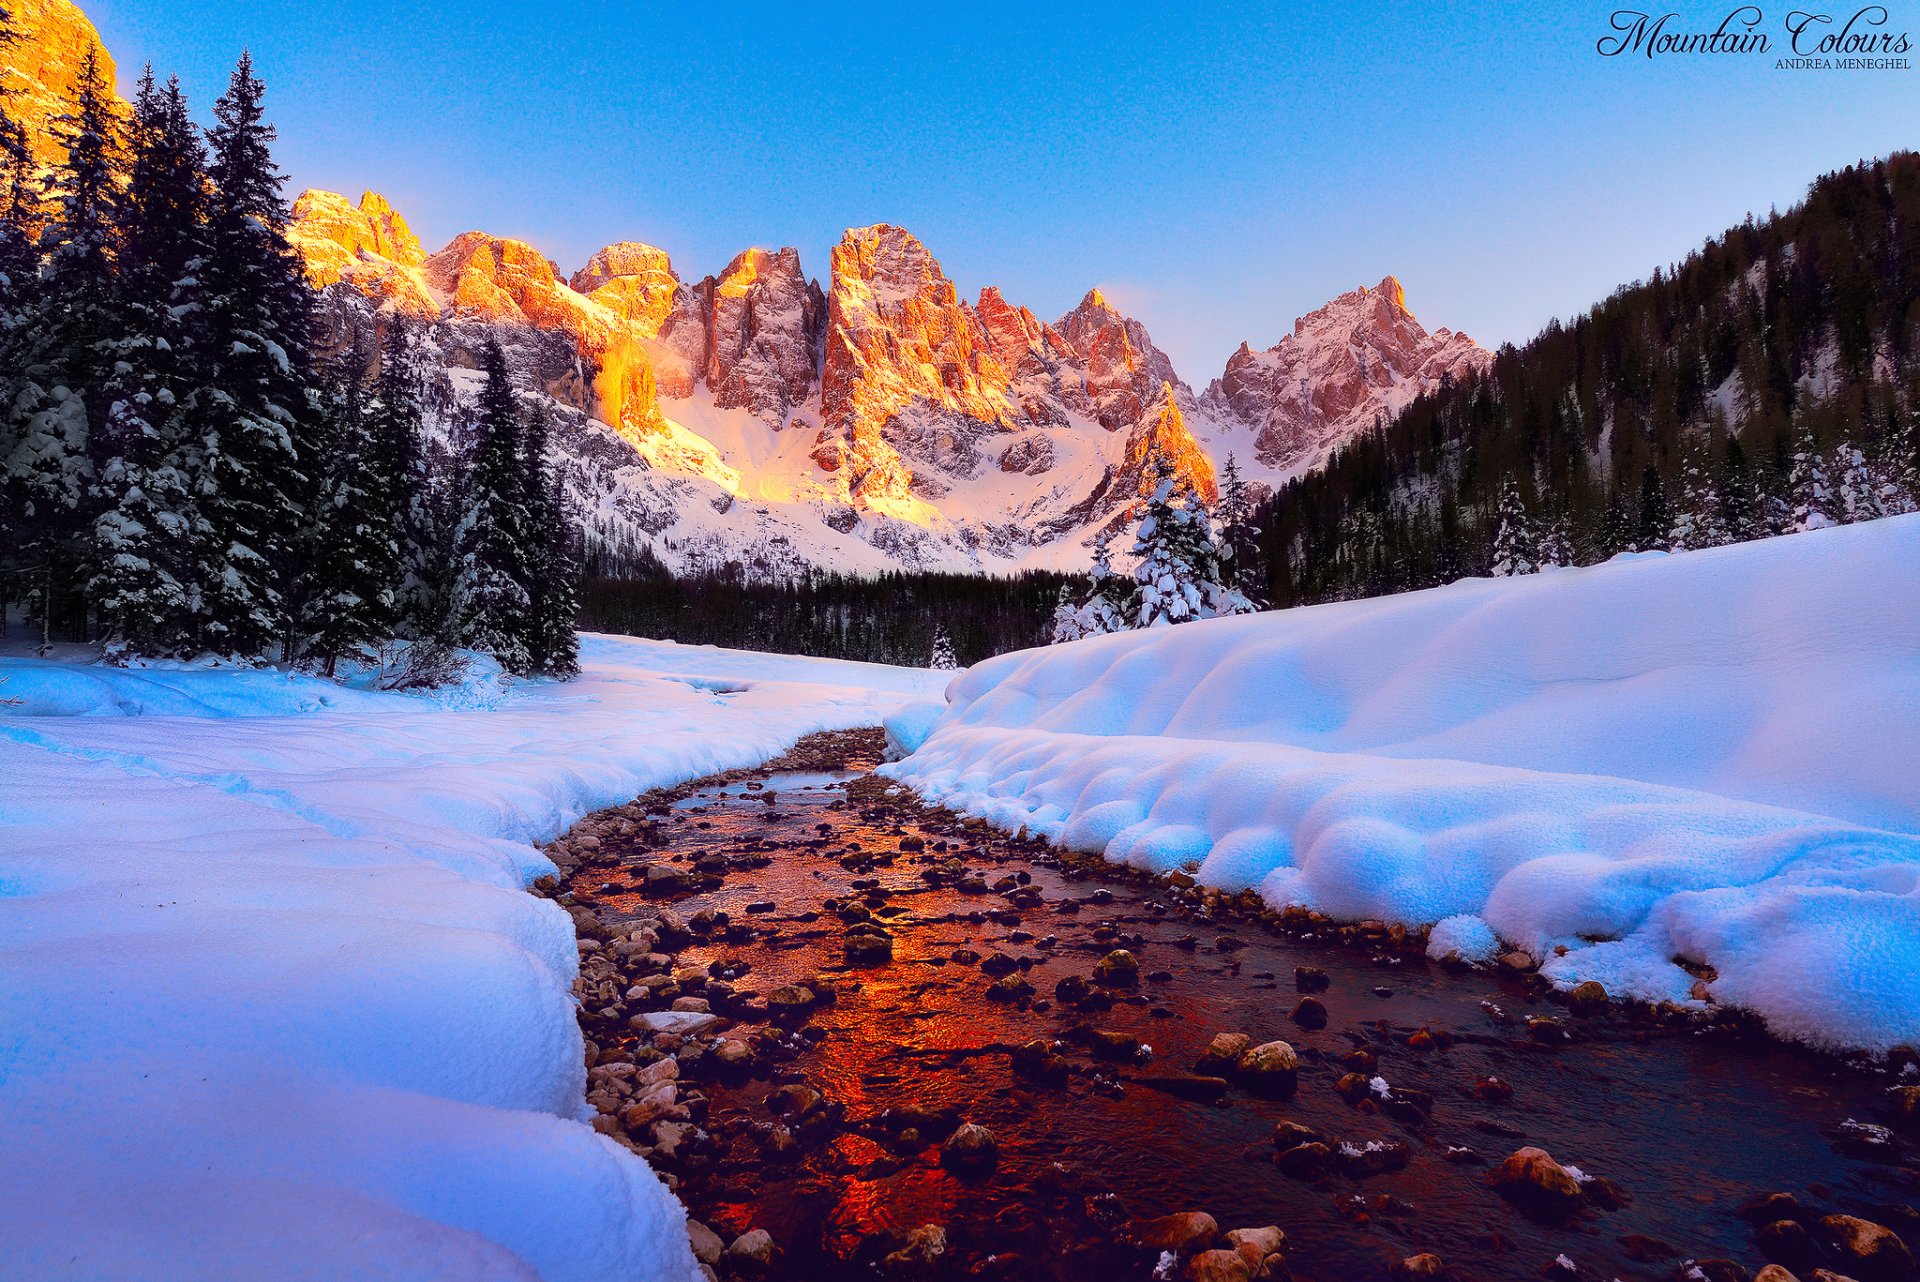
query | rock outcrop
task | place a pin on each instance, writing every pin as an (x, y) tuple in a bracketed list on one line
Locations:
[(763, 333), (1124, 370), (369, 248), (39, 69), (1361, 356)]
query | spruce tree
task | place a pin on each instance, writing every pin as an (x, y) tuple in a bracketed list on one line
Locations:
[(1178, 574), (250, 401), (1656, 519), (1859, 494), (1108, 604), (941, 658), (1238, 539), (61, 353), (551, 576), (1697, 518), (1739, 501), (1809, 490), (407, 495), (347, 555), (493, 603), (143, 585), (1515, 549)]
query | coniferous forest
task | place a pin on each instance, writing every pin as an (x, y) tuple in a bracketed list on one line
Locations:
[(894, 618), (1767, 384), (184, 474)]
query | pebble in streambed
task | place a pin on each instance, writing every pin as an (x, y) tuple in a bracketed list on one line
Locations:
[(858, 1035)]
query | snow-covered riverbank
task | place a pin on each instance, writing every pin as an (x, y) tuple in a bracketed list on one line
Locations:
[(275, 1003), (1714, 756)]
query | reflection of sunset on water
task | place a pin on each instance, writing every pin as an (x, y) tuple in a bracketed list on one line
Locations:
[(912, 1047)]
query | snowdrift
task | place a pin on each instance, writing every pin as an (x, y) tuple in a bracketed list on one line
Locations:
[(275, 1001), (1713, 756)]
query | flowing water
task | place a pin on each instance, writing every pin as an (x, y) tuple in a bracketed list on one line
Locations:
[(1689, 1121)]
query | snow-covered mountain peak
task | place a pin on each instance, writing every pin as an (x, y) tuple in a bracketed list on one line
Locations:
[(1361, 356), (880, 422)]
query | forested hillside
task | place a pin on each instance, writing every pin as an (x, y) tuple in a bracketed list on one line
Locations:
[(1767, 383)]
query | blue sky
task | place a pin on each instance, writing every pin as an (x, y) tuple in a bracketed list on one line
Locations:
[(1216, 169)]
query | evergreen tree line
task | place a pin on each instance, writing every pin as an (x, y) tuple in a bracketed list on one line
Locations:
[(923, 620), (1769, 383), (182, 474)]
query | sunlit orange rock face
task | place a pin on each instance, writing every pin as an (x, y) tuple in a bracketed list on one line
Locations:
[(369, 247), (909, 375), (39, 70), (498, 281), (1124, 370), (1360, 356), (1164, 430)]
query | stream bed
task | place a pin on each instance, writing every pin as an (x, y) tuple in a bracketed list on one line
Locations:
[(887, 975)]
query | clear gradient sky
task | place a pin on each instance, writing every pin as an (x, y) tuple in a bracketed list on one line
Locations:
[(1217, 169)]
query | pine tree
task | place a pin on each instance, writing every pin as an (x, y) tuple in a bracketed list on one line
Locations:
[(143, 585), (1739, 501), (1239, 541), (1515, 549), (407, 494), (61, 353), (1556, 543), (1178, 575), (1617, 531), (941, 658), (1108, 604), (249, 403), (493, 603), (19, 198), (347, 554), (1859, 493), (551, 576), (1812, 494), (1697, 519), (1656, 520), (1898, 472)]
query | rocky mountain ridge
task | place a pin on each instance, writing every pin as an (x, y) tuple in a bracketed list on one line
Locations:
[(882, 421)]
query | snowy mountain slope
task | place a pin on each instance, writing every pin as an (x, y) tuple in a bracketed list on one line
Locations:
[(884, 422), (277, 1002), (1708, 756)]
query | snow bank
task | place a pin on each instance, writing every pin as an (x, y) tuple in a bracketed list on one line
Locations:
[(1714, 756), (275, 1002)]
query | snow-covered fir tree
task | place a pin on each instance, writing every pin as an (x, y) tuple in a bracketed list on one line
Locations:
[(253, 371), (942, 659), (1178, 573), (1108, 605), (1858, 492), (1697, 519), (1516, 550), (145, 529), (1897, 473), (1808, 486), (1739, 499), (62, 353), (348, 552), (1239, 541), (1556, 542), (551, 568), (1656, 516), (492, 594)]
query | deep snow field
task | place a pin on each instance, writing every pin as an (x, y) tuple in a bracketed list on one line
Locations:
[(273, 1001), (1713, 756)]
